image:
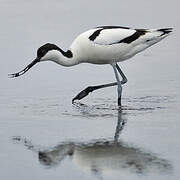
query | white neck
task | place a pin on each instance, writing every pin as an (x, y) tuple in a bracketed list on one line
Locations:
[(61, 57)]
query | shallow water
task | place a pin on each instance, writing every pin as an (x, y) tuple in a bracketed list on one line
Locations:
[(44, 136)]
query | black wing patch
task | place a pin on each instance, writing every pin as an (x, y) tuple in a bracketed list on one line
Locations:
[(127, 40), (133, 37), (113, 27), (165, 31), (96, 33)]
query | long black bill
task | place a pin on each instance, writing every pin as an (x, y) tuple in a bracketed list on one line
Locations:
[(25, 69)]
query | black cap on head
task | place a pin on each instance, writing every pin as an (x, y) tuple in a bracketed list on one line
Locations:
[(45, 48)]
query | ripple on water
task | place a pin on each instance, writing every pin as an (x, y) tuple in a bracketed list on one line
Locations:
[(98, 107)]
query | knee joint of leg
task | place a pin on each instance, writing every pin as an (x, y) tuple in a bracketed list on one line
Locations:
[(124, 81)]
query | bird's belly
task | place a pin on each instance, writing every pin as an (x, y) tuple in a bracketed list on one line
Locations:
[(105, 55), (99, 61)]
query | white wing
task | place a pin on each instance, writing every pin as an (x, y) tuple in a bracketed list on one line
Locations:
[(108, 35)]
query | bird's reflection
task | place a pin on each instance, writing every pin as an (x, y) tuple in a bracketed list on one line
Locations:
[(102, 157)]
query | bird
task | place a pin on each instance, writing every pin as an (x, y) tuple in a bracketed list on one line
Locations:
[(100, 46)]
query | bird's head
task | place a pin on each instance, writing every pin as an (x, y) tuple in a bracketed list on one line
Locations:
[(44, 53)]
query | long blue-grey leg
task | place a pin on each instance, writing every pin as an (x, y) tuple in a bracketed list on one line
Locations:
[(89, 89), (124, 79), (119, 88)]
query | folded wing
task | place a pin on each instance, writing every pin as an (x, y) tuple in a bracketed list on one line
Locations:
[(110, 35)]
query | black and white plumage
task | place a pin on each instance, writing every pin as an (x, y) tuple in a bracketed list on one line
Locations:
[(101, 45)]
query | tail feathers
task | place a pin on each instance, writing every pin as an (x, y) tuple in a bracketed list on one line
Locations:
[(165, 31)]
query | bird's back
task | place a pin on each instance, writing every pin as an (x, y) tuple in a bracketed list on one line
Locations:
[(107, 44)]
